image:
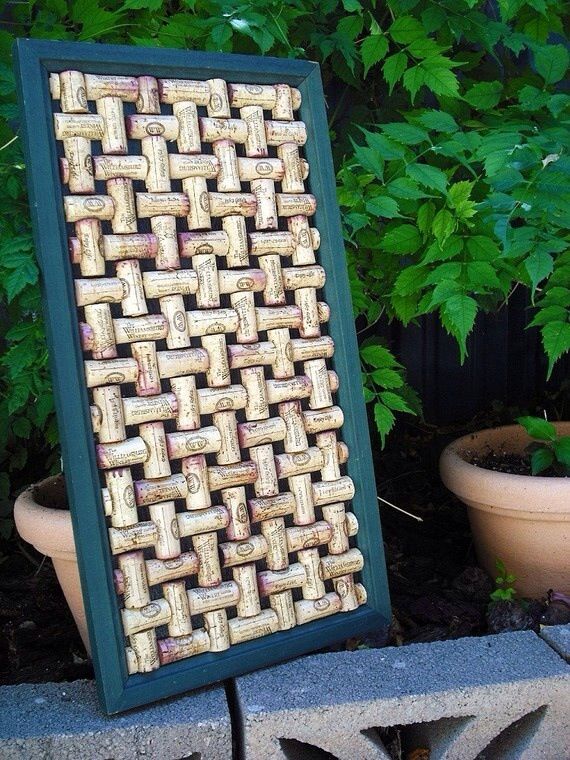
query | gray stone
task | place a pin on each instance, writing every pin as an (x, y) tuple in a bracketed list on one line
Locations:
[(505, 696), (558, 636), (60, 721)]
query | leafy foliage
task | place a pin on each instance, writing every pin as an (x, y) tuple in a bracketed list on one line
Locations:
[(504, 590), (548, 450)]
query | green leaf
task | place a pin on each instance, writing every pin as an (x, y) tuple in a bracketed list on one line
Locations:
[(541, 459), (410, 280), (373, 50), (377, 356), (395, 402), (538, 265), (413, 80), (402, 239), (393, 68), (562, 450), (429, 176), (405, 188), (384, 420), (405, 133), (352, 6), (405, 29), (443, 225), (538, 427), (549, 314), (551, 62), (369, 160), (383, 206), (387, 148), (151, 5), (484, 96), (459, 313), (439, 79), (556, 341), (482, 277), (388, 378), (424, 219), (439, 121)]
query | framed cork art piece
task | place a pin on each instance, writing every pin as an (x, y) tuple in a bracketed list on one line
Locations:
[(204, 359)]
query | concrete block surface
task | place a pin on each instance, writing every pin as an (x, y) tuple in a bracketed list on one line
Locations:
[(558, 636), (63, 721)]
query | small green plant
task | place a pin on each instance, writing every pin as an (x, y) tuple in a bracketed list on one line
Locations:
[(549, 449), (504, 580)]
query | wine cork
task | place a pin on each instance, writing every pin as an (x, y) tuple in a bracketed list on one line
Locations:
[(260, 168), (202, 521), (273, 293), (301, 488), (204, 600), (218, 105), (218, 372), (335, 515), (110, 167), (208, 293), (239, 281), (188, 128), (274, 532), (100, 86), (139, 246), (79, 207), (145, 649), (303, 244), (265, 211), (153, 615), (196, 191), (164, 229), (244, 305), (303, 349), (228, 179), (295, 436), (108, 401), (124, 219), (253, 382), (307, 461), (282, 605), (134, 584), (263, 95), (161, 489), (351, 524), (91, 260), (333, 566), (137, 536), (361, 594), (266, 483), (269, 507), (100, 321), (216, 625), (230, 475), (250, 355), (180, 622), (110, 372), (179, 90), (283, 108), (157, 464), (184, 443), (206, 547), (234, 500), (214, 242), (148, 378), (307, 610), (229, 452), (188, 414), (221, 399), (228, 204), (183, 165), (172, 308), (245, 629), (257, 433), (343, 452), (279, 132), (346, 589), (147, 327), (133, 302), (292, 181), (248, 604), (271, 319), (140, 126), (72, 92), (255, 141), (148, 100), (275, 582), (264, 243), (156, 153), (303, 277), (328, 447), (326, 419), (182, 282), (162, 204), (235, 228), (182, 362), (79, 164), (164, 570), (292, 205), (317, 371), (283, 366), (248, 550), (121, 493), (336, 490), (222, 129), (181, 647), (114, 138), (308, 536), (106, 499), (122, 454)]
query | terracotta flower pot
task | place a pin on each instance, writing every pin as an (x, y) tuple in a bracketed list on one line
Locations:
[(522, 520), (43, 519)]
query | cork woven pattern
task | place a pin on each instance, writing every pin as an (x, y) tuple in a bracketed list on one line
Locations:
[(206, 358)]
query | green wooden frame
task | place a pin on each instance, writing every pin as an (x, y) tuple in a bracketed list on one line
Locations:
[(118, 691)]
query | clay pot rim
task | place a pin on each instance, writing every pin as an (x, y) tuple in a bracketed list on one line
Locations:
[(489, 490), (48, 529)]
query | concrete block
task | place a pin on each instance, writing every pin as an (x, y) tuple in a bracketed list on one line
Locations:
[(505, 696), (63, 721), (558, 636)]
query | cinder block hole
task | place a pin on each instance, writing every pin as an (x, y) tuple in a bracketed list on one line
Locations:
[(296, 750), (515, 738), (420, 740)]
